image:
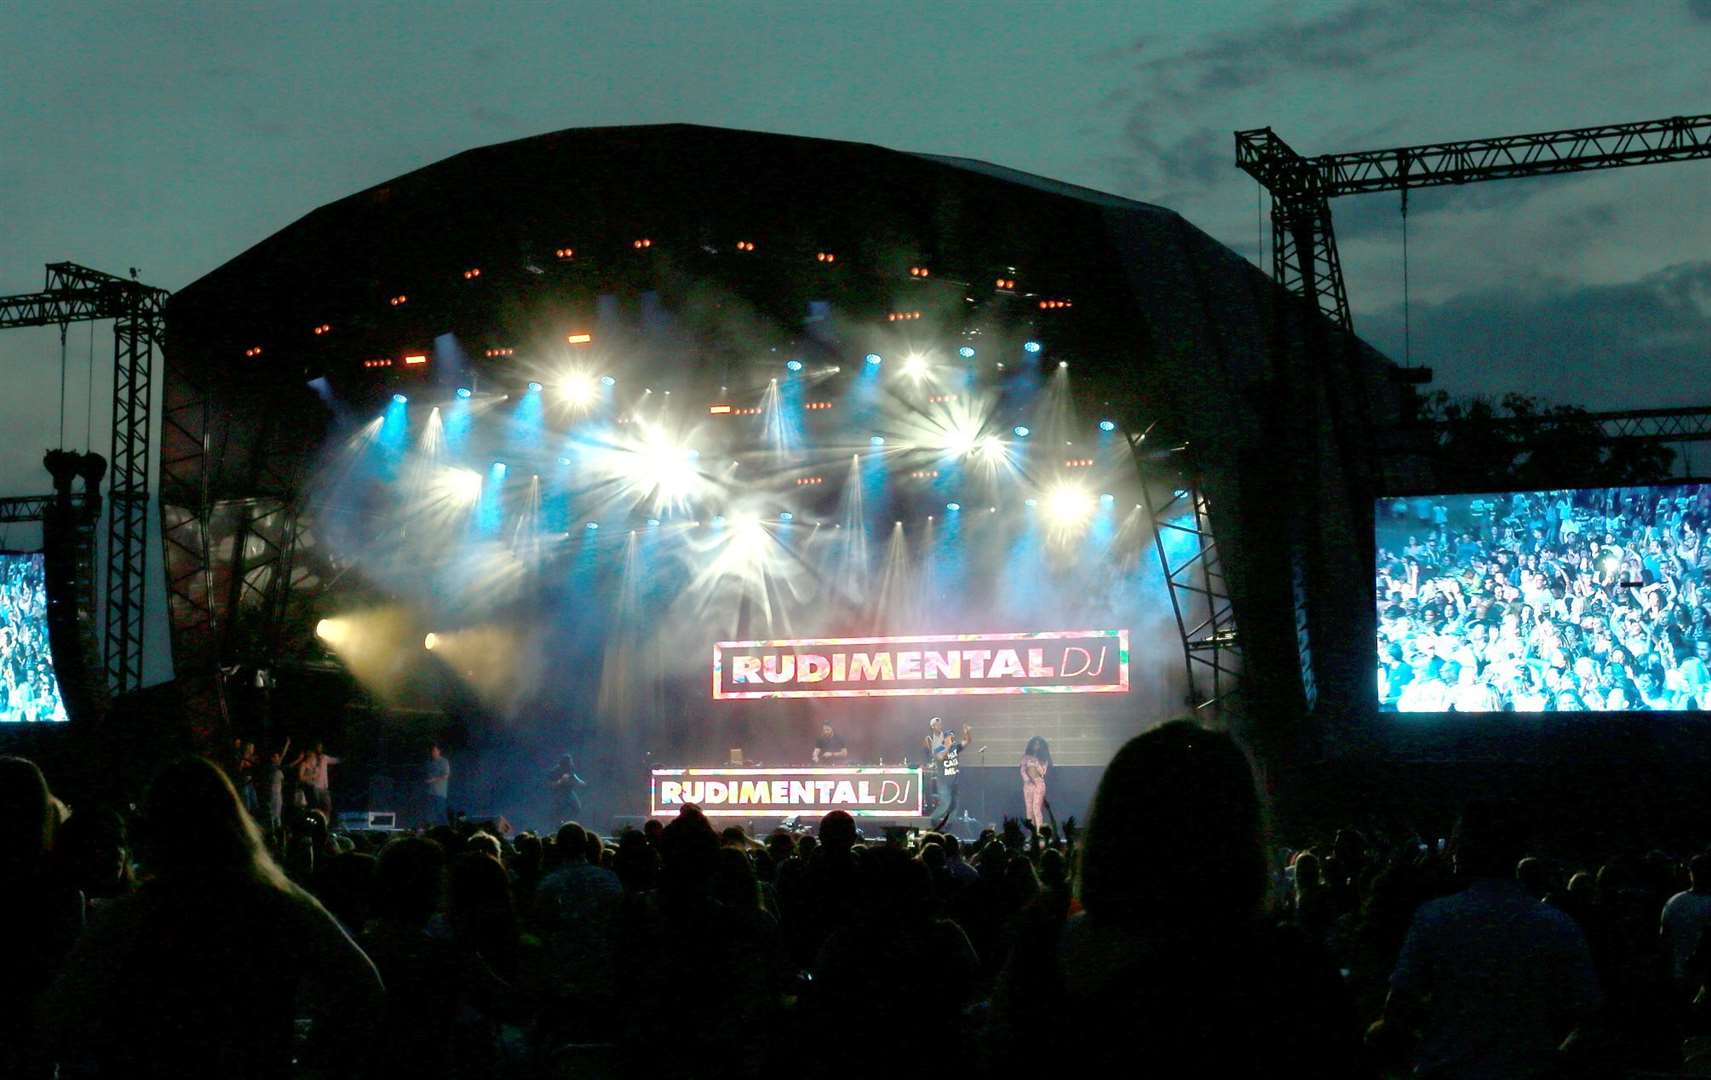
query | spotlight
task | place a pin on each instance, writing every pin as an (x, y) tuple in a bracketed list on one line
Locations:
[(653, 523), (592, 525), (875, 358), (718, 521), (915, 366), (326, 629), (794, 365), (399, 399), (1068, 504), (1107, 425), (1063, 363), (607, 380), (499, 467), (992, 446), (1021, 431), (464, 392), (431, 642), (877, 440), (534, 388), (1030, 346), (1030, 503), (564, 461), (460, 487), (787, 517), (966, 352), (1107, 499), (579, 388), (953, 506)]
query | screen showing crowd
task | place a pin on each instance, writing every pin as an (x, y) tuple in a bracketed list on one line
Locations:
[(1545, 601), (29, 693)]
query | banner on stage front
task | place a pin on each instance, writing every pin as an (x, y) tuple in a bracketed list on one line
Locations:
[(1055, 662), (787, 792)]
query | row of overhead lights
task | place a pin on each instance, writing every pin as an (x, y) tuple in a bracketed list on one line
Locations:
[(565, 254)]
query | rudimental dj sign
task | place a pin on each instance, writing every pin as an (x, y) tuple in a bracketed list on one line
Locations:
[(786, 792), (1056, 662)]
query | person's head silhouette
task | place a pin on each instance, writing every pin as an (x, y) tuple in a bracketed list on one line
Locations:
[(195, 828), (1175, 831)]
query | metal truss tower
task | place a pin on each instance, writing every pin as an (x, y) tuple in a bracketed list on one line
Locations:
[(1304, 247), (75, 293), (1188, 554)]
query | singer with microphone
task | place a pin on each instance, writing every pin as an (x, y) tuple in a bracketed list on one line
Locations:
[(1036, 762)]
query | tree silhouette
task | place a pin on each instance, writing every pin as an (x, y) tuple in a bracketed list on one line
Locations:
[(1521, 442)]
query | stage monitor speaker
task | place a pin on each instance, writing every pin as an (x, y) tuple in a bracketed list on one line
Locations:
[(621, 822)]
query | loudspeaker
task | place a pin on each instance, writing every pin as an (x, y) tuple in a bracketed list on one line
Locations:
[(620, 822)]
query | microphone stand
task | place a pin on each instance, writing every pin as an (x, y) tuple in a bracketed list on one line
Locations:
[(985, 787)]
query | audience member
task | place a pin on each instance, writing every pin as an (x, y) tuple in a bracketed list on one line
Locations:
[(197, 973), (1492, 979)]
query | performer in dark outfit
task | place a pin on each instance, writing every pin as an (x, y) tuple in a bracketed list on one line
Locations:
[(930, 765), (951, 747), (564, 782), (829, 748)]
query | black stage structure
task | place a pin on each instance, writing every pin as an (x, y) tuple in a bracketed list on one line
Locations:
[(1249, 418)]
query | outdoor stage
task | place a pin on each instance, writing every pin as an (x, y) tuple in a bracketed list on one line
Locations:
[(651, 464)]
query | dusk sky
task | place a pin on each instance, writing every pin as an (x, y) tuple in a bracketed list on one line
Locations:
[(170, 137)]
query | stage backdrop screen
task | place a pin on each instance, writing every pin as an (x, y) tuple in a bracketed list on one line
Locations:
[(1584, 600), (29, 692)]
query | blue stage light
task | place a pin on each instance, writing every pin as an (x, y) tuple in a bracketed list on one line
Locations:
[(718, 521), (1030, 346), (874, 358), (953, 506), (607, 380), (464, 392), (499, 466), (794, 365), (877, 440), (534, 388), (564, 461), (592, 525), (399, 399), (1030, 502), (1107, 499), (1021, 431), (787, 517), (966, 352), (653, 523), (1107, 425)]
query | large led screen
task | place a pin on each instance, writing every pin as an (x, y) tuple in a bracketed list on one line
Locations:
[(1584, 600), (29, 692)]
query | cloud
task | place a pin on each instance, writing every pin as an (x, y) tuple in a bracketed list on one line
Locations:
[(1180, 97), (1637, 344)]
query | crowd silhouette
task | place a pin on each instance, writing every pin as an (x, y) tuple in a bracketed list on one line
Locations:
[(1171, 936)]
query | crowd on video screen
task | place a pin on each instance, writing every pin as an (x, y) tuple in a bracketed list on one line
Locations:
[(29, 693), (1545, 601)]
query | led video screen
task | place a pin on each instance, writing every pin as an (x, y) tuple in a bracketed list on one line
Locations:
[(1582, 600), (29, 692)]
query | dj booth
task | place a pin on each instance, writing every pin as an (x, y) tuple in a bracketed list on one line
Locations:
[(890, 794)]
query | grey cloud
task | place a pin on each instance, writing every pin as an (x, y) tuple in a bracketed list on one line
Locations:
[(1638, 344)]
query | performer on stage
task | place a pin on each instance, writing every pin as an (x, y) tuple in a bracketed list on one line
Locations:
[(930, 765), (1036, 762), (951, 746), (313, 779), (567, 804), (437, 779), (829, 748)]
